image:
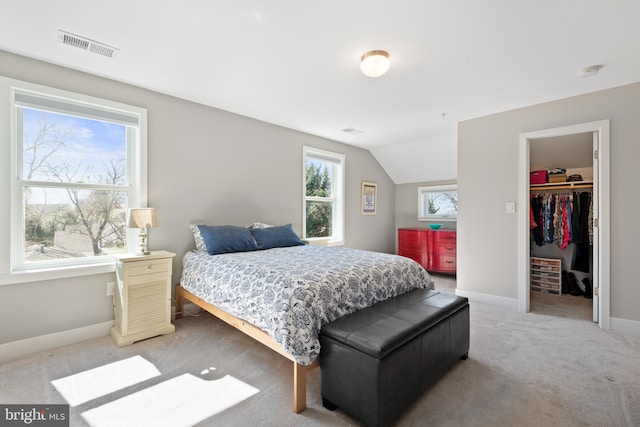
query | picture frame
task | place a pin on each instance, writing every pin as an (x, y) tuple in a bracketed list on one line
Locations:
[(369, 195)]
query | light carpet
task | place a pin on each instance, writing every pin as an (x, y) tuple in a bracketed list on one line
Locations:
[(523, 370)]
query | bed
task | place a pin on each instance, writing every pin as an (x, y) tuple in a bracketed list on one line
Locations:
[(282, 295)]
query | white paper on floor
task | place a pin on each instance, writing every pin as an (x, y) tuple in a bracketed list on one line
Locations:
[(180, 401), (88, 385)]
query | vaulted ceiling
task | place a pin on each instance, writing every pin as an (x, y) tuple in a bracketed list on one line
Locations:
[(296, 63)]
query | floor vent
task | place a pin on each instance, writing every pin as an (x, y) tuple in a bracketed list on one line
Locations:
[(86, 44)]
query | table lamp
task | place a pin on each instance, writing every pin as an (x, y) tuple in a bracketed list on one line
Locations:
[(142, 218)]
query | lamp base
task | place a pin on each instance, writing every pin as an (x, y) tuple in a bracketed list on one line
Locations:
[(142, 246)]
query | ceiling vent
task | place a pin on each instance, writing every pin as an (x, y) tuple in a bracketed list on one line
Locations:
[(352, 131), (86, 44)]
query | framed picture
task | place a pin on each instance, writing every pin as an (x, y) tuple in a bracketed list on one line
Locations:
[(369, 195)]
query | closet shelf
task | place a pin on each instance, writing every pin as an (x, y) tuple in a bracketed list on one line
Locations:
[(562, 185)]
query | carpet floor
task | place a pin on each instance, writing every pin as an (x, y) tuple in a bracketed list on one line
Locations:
[(530, 369)]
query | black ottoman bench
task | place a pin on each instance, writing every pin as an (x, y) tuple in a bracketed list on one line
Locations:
[(377, 361)]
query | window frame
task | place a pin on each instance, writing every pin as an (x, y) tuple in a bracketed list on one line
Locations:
[(425, 190), (337, 198), (135, 188)]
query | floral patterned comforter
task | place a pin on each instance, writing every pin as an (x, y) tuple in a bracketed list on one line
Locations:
[(291, 292)]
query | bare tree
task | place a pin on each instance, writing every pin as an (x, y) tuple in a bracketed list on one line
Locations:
[(48, 138), (95, 211)]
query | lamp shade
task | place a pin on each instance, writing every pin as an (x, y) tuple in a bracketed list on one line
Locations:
[(142, 218), (375, 63)]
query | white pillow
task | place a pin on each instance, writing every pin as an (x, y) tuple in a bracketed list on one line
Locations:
[(197, 236), (259, 225)]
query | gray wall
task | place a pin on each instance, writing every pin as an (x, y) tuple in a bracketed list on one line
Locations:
[(204, 165), (407, 207), (488, 178)]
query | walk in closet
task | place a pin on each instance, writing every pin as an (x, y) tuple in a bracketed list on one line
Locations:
[(561, 225)]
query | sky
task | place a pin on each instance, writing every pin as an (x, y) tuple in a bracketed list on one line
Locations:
[(88, 146)]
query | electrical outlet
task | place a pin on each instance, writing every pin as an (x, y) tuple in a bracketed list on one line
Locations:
[(110, 288)]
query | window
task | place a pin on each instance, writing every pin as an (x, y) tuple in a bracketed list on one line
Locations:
[(323, 199), (438, 203), (78, 164)]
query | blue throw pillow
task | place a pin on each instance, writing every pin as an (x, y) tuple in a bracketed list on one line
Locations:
[(222, 239), (276, 237)]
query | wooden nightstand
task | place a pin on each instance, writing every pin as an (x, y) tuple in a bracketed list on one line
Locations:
[(142, 297)]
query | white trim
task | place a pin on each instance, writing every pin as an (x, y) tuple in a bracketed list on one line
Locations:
[(625, 326), (16, 349), (489, 299), (602, 127), (136, 188), (28, 276), (435, 188), (339, 202)]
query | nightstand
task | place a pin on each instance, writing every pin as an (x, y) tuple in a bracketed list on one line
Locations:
[(142, 297)]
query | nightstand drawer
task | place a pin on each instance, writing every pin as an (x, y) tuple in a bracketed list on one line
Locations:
[(149, 267)]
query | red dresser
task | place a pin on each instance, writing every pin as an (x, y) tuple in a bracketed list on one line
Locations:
[(435, 250)]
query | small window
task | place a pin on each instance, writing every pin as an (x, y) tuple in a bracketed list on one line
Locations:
[(323, 199), (438, 203)]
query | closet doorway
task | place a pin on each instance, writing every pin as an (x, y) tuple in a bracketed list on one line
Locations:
[(576, 147)]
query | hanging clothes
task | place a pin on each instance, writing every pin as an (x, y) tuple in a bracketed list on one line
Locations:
[(536, 232), (582, 205), (561, 217)]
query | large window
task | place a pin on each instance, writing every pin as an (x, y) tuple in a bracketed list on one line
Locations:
[(438, 203), (78, 165), (323, 201)]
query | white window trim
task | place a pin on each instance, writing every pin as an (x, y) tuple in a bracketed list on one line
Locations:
[(435, 188), (338, 225), (137, 153)]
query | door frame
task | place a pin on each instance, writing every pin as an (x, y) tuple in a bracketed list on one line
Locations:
[(601, 212)]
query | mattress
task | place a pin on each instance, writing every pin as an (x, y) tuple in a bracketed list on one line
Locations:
[(291, 292)]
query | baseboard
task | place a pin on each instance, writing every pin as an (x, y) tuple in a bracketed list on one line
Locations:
[(626, 326), (489, 299), (15, 349)]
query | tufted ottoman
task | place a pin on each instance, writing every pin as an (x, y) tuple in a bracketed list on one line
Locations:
[(377, 361)]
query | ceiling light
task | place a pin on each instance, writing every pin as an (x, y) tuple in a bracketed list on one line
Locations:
[(374, 63), (590, 71)]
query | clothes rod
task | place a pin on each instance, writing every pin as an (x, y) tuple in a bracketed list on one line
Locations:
[(577, 185)]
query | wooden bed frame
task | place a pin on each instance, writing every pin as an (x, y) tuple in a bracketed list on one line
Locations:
[(299, 371)]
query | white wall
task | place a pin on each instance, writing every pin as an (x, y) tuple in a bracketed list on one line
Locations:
[(488, 178), (205, 165)]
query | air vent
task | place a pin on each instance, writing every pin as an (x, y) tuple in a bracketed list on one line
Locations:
[(352, 131), (86, 44)]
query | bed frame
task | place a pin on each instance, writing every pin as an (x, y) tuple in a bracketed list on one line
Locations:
[(299, 371)]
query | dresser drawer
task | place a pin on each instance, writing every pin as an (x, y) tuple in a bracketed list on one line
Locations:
[(444, 237), (419, 256), (445, 264), (448, 249), (412, 239)]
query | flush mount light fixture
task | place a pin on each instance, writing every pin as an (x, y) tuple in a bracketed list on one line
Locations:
[(592, 70), (375, 63)]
